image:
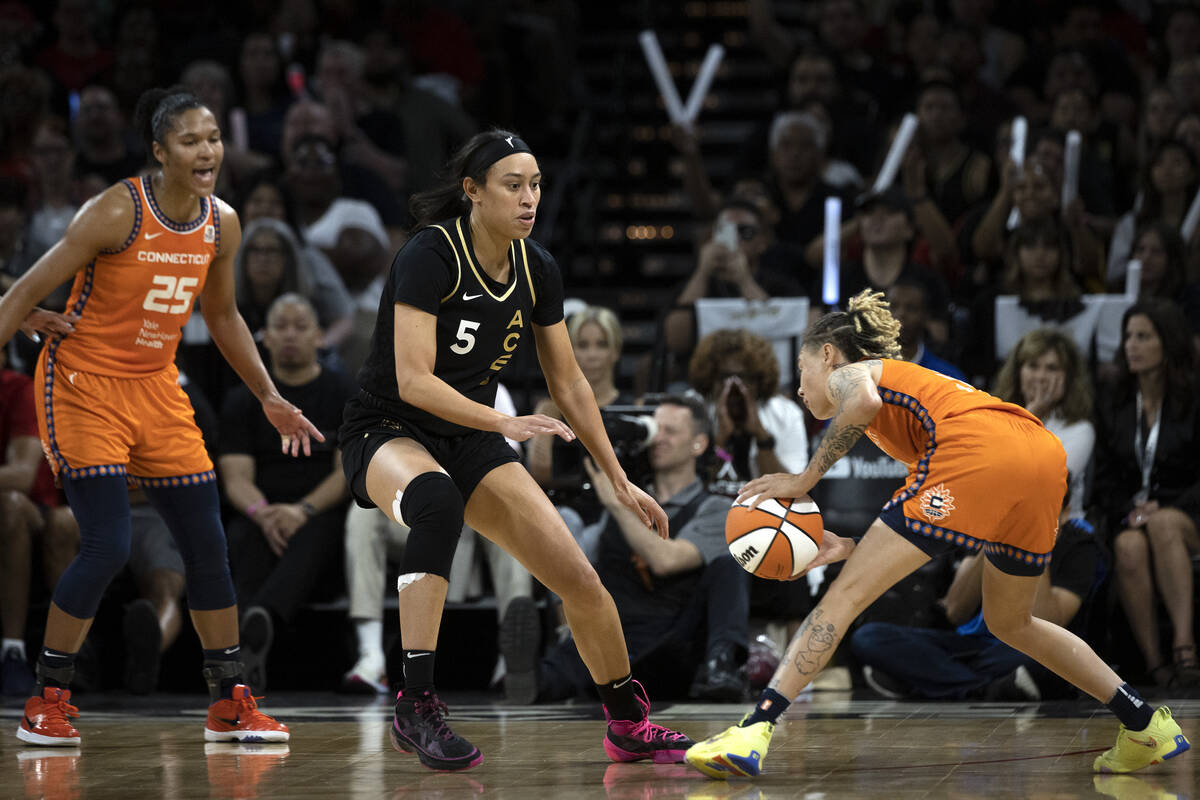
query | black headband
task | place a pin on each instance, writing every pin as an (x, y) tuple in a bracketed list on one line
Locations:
[(493, 151)]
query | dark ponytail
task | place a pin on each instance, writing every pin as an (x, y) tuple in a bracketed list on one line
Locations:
[(448, 199), (156, 112)]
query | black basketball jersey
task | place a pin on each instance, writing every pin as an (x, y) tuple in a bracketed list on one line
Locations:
[(481, 323)]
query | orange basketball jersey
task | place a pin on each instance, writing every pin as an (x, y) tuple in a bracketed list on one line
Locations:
[(133, 302), (982, 473), (915, 400)]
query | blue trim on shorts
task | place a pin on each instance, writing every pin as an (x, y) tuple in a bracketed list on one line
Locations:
[(195, 479), (934, 540), (85, 292)]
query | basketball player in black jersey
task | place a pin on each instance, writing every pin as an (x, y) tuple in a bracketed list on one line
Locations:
[(424, 443)]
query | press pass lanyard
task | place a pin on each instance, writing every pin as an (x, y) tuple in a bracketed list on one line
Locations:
[(1145, 456)]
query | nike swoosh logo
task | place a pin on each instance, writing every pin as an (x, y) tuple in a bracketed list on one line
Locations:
[(231, 722), (150, 236), (411, 656), (471, 296), (1149, 741), (232, 650)]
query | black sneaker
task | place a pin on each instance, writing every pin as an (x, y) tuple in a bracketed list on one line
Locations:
[(418, 726), (520, 642), (883, 684), (1017, 686), (638, 739), (143, 643), (720, 678), (257, 635)]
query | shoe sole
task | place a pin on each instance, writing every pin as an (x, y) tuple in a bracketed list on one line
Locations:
[(1181, 746), (664, 756), (357, 684), (520, 639), (724, 766), (29, 737), (143, 643), (403, 745), (245, 737)]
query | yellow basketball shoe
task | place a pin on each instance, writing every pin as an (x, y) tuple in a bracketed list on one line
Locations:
[(738, 751), (1162, 739)]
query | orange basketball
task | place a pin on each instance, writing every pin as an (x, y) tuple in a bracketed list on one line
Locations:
[(776, 540)]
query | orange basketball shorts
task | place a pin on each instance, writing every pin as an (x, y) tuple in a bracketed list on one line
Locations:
[(993, 481), (143, 428)]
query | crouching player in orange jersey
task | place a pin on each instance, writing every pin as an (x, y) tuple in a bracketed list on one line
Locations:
[(111, 412), (961, 446)]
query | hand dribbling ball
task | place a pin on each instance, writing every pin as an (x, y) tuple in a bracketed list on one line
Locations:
[(776, 540)]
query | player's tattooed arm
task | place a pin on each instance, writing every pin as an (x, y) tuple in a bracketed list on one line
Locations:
[(856, 398)]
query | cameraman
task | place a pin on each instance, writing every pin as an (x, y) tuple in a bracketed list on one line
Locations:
[(683, 601)]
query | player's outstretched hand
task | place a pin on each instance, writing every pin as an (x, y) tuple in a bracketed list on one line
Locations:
[(777, 484), (645, 506), (48, 324), (295, 431), (520, 429), (833, 548)]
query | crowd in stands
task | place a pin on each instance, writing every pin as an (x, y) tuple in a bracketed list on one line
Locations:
[(1010, 273)]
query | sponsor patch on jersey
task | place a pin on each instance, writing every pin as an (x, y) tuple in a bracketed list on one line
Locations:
[(210, 234), (937, 503)]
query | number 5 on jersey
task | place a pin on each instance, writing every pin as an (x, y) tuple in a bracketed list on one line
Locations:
[(168, 287)]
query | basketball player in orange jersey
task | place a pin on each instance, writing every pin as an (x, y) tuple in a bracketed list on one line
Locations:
[(424, 442), (111, 411), (982, 474)]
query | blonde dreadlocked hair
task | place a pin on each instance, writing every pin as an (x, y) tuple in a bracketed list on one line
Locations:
[(866, 329)]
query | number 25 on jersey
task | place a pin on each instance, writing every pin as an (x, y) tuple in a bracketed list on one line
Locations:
[(168, 288)]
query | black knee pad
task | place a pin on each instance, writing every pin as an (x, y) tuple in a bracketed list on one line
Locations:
[(432, 507)]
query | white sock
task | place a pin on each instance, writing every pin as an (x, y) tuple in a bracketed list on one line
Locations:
[(13, 644), (370, 639)]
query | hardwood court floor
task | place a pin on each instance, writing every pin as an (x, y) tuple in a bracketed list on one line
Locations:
[(830, 747)]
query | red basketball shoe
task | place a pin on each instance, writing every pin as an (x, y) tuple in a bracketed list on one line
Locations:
[(45, 721), (239, 720)]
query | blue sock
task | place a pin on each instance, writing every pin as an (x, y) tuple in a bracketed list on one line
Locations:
[(771, 705), (1129, 707)]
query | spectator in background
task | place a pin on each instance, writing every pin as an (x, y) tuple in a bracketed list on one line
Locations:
[(75, 58), (758, 431), (24, 100), (683, 601), (1037, 272), (263, 92), (556, 465), (1106, 154), (269, 264), (1148, 483), (16, 252), (798, 143), (369, 136), (104, 144), (432, 127), (1160, 250), (286, 541), (1046, 374), (212, 83), (1165, 192), (1035, 191), (954, 174), (309, 119), (1160, 113), (30, 509), (740, 259), (55, 198), (909, 300), (887, 225)]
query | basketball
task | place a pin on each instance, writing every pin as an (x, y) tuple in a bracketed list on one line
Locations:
[(776, 540)]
